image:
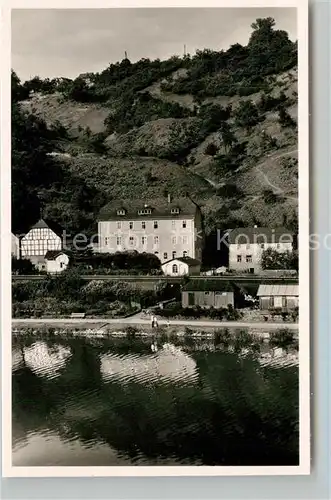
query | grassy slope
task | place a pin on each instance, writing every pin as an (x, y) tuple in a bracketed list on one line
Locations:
[(123, 173)]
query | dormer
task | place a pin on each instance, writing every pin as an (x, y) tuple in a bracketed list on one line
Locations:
[(175, 211), (121, 211), (145, 211)]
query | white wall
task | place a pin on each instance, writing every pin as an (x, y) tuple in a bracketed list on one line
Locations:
[(182, 268), (38, 241), (255, 250), (15, 246), (172, 237), (57, 265)]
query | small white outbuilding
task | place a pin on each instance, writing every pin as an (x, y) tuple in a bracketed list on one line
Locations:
[(181, 266), (56, 261)]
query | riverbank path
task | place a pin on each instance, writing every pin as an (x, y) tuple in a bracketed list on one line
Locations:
[(134, 321)]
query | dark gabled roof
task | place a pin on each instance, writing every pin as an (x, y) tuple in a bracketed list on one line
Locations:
[(209, 286), (242, 235), (160, 208), (186, 260), (48, 224), (52, 254)]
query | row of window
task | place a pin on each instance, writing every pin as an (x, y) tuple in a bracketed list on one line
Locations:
[(53, 245), (272, 301), (155, 224), (36, 234), (248, 246), (249, 258), (174, 255), (33, 251), (146, 211), (156, 240)]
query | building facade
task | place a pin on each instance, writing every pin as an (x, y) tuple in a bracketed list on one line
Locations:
[(41, 238), (183, 266), (168, 228), (15, 246), (56, 261), (284, 297), (207, 294), (247, 244)]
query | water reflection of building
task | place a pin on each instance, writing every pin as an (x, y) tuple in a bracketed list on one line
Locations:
[(170, 363), (45, 360)]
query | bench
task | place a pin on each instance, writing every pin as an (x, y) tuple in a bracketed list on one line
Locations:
[(77, 315)]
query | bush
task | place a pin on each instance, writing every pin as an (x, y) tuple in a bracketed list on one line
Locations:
[(246, 115), (211, 149), (269, 197), (282, 338), (285, 119)]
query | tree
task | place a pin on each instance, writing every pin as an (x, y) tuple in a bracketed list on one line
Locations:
[(285, 118), (211, 149), (272, 259), (247, 115), (18, 91), (269, 196), (227, 136)]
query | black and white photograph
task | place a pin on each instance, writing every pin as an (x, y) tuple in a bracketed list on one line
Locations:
[(158, 201)]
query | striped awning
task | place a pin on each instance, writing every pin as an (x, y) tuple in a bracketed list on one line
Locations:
[(280, 290)]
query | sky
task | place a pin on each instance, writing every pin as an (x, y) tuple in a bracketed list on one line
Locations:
[(67, 42)]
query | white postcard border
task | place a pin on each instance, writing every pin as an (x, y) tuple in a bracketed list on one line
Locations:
[(304, 281)]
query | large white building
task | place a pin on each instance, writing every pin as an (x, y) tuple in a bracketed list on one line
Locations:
[(168, 228), (246, 245), (41, 238)]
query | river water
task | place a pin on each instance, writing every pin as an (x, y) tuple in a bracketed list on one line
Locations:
[(105, 402)]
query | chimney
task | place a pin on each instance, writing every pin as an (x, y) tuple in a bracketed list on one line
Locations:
[(169, 198)]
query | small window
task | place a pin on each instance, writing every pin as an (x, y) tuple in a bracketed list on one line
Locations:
[(184, 224), (185, 253), (156, 240), (119, 241), (207, 293), (61, 265), (121, 212), (248, 258), (271, 302), (156, 224), (278, 246), (143, 225), (175, 210), (145, 211), (173, 255), (131, 241), (106, 240), (173, 224), (175, 269), (119, 225), (165, 255), (130, 225), (174, 240), (144, 240), (238, 258), (262, 246), (156, 253)]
